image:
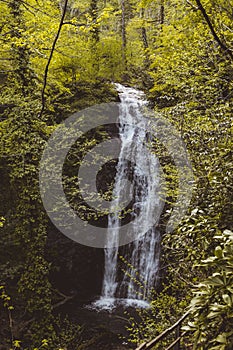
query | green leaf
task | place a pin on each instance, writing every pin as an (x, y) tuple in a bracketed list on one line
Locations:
[(218, 252), (221, 338), (227, 299), (16, 343)]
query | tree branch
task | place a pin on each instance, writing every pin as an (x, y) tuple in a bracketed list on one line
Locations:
[(27, 5), (193, 7), (65, 300), (75, 24), (161, 336), (50, 58), (215, 35)]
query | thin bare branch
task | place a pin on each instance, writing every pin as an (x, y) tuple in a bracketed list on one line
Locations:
[(193, 6), (161, 336), (75, 24), (27, 5), (50, 58), (66, 298)]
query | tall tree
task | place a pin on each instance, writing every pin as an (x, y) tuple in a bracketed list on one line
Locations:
[(123, 33), (222, 45), (20, 52)]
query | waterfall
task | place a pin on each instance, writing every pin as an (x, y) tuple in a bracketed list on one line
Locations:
[(139, 260)]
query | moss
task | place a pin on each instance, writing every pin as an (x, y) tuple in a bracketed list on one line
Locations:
[(81, 96)]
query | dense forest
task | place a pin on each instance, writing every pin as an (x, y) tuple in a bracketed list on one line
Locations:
[(59, 57)]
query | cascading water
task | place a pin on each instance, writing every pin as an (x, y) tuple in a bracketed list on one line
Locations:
[(140, 259)]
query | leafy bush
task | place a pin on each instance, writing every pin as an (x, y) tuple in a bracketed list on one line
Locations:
[(212, 305)]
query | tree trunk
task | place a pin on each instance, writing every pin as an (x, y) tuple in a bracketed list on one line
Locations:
[(145, 42), (94, 36), (162, 13), (214, 33), (123, 34), (22, 74), (94, 16)]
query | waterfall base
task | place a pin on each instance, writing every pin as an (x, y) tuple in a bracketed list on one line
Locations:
[(110, 304)]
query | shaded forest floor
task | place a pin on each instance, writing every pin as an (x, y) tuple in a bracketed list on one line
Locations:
[(102, 329)]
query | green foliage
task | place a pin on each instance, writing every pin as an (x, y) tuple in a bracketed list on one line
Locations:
[(213, 302), (2, 221)]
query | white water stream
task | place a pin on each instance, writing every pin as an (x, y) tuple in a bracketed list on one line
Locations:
[(133, 282)]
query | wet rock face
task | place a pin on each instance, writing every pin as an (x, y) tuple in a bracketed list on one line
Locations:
[(105, 179), (76, 269)]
